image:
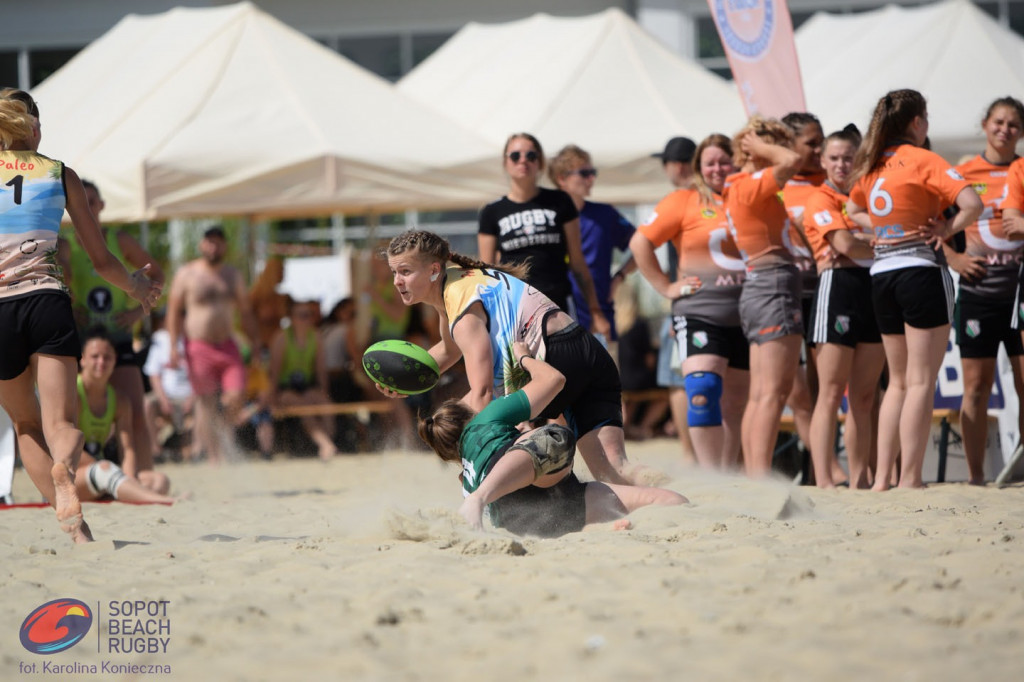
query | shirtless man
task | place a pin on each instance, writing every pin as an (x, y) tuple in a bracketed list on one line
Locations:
[(204, 297)]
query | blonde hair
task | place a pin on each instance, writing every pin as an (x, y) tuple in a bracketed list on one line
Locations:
[(16, 122), (437, 248), (713, 140), (771, 130), (565, 160), (442, 431), (893, 115)]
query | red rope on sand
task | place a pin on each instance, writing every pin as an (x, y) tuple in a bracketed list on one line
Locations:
[(39, 505)]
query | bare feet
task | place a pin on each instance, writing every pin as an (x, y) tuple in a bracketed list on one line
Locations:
[(472, 510), (68, 506)]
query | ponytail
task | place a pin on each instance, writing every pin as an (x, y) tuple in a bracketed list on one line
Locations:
[(442, 431), (892, 116)]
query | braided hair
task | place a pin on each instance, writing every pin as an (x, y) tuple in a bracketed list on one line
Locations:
[(437, 248)]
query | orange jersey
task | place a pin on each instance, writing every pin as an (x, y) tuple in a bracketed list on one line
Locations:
[(795, 194), (907, 188), (757, 218), (701, 236), (1015, 186), (986, 238), (826, 213)]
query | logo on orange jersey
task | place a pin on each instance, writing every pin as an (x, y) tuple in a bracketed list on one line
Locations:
[(708, 213), (980, 187), (954, 173)]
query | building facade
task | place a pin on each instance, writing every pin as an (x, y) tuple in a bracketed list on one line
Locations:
[(388, 37)]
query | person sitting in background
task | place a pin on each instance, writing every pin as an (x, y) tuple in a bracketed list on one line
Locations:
[(638, 362), (298, 373), (170, 401), (526, 479), (103, 410), (94, 302), (341, 352)]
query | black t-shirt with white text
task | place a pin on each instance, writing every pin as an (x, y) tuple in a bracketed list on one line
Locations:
[(534, 230)]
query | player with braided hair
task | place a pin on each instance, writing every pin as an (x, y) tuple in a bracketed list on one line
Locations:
[(483, 310)]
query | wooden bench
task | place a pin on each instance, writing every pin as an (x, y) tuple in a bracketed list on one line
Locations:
[(945, 418), (657, 393)]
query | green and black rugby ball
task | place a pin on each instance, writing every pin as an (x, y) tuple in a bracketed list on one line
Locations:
[(401, 366)]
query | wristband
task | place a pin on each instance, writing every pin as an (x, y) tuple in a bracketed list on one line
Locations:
[(523, 357)]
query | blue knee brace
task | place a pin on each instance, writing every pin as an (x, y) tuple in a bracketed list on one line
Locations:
[(704, 399)]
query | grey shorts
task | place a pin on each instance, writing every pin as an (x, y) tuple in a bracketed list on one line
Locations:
[(770, 306), (552, 448)]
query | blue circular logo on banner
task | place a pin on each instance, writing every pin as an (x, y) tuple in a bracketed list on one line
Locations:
[(746, 26)]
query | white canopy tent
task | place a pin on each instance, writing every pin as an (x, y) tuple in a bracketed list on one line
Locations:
[(599, 81), (957, 56), (228, 111)]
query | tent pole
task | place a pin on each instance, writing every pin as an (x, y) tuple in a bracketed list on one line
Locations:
[(338, 232)]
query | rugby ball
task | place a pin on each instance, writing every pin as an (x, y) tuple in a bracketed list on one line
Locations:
[(401, 366)]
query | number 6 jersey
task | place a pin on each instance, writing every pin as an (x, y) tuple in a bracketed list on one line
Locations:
[(908, 187)]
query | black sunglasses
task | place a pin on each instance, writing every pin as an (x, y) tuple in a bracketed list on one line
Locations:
[(515, 156), (585, 172)]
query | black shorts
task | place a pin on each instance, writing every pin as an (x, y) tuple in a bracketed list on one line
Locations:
[(843, 312), (982, 324), (807, 309), (544, 512), (699, 337), (37, 323), (592, 396), (126, 355), (921, 297)]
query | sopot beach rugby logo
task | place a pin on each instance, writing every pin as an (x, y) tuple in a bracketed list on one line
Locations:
[(746, 26), (56, 626)]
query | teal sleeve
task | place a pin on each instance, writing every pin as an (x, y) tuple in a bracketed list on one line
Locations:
[(510, 409)]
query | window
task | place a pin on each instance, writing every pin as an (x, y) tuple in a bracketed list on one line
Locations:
[(380, 54), (44, 62), (425, 44), (708, 42), (1017, 17), (8, 69)]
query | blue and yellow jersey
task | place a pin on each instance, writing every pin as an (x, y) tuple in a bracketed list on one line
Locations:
[(32, 202), (515, 312)]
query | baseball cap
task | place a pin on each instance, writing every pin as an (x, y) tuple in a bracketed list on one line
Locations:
[(678, 149), (214, 232)]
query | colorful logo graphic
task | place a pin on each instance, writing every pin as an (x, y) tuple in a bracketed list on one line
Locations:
[(56, 626)]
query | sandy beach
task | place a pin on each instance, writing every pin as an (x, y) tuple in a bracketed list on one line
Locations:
[(360, 570)]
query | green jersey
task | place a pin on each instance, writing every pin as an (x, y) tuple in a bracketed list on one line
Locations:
[(95, 428), (95, 300), (488, 435)]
